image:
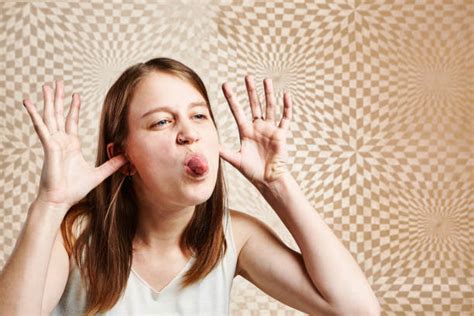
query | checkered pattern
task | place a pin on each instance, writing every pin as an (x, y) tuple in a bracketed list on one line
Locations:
[(381, 140)]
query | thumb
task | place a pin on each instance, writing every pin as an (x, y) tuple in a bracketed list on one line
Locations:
[(229, 156), (110, 166)]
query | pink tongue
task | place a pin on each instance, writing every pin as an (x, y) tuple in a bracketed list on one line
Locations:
[(197, 165)]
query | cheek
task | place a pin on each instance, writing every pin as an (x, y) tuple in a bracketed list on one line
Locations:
[(213, 136), (151, 153), (214, 149), (213, 142)]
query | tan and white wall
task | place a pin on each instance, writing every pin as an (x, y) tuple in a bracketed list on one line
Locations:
[(382, 137)]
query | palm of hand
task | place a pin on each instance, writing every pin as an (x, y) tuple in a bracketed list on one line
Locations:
[(66, 177), (63, 166), (263, 155)]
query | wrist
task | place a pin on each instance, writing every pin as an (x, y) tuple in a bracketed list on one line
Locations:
[(53, 213), (54, 206), (275, 186)]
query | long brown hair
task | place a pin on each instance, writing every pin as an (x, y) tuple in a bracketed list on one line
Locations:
[(103, 247)]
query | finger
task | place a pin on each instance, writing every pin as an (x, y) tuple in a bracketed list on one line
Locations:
[(58, 105), (40, 128), (287, 111), (253, 98), (109, 167), (48, 112), (269, 99), (237, 111), (72, 119)]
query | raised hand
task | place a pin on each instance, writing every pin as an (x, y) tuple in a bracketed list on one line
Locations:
[(66, 177), (263, 155)]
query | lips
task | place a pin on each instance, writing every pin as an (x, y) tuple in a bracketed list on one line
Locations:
[(196, 165)]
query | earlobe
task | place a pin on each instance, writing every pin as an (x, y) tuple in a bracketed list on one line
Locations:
[(113, 151), (130, 169)]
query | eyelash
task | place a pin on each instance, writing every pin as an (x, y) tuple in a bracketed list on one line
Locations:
[(156, 124)]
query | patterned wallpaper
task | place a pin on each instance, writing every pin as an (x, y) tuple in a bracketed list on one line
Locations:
[(382, 134)]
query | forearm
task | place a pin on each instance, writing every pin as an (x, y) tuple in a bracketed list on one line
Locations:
[(330, 265), (23, 278)]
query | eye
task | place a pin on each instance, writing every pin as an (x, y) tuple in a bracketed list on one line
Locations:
[(201, 116), (159, 123)]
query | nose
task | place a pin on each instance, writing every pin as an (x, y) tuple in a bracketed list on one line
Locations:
[(187, 135)]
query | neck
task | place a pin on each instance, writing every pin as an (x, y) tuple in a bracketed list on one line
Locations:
[(159, 230)]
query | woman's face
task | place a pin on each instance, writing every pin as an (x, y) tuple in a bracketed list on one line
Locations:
[(160, 140)]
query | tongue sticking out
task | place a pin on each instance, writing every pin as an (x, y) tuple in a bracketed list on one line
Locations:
[(197, 165)]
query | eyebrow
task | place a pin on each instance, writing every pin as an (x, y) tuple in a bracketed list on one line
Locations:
[(167, 108)]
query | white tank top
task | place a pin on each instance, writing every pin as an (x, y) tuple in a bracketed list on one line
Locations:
[(209, 296)]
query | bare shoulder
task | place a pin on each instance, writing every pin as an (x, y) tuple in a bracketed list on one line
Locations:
[(242, 226), (245, 223), (275, 268)]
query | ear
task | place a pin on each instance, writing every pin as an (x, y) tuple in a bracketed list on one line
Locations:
[(113, 150)]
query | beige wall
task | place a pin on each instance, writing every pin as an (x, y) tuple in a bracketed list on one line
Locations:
[(382, 136)]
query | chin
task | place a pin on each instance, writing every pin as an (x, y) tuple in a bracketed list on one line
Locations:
[(195, 200)]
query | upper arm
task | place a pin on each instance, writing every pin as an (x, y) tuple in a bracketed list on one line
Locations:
[(57, 275), (276, 269)]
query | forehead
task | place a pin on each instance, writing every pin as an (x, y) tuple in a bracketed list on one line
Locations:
[(161, 89)]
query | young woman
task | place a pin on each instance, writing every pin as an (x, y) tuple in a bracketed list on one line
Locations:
[(148, 230)]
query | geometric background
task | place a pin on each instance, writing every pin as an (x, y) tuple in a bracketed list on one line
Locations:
[(381, 141)]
